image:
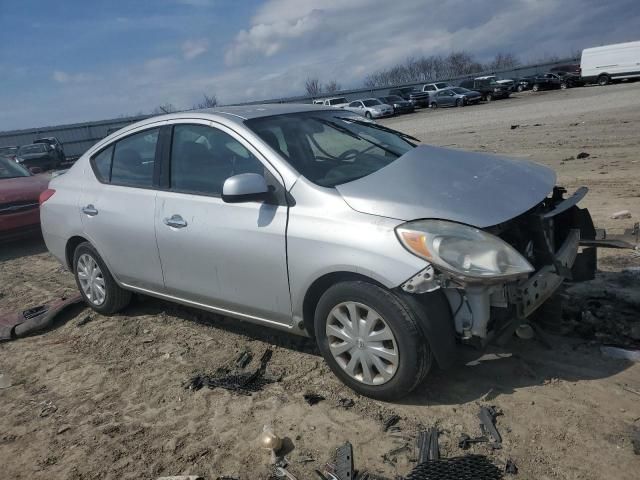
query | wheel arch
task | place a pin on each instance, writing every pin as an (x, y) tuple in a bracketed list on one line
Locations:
[(431, 310), (70, 248)]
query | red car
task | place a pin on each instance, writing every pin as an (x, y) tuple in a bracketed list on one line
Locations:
[(19, 199)]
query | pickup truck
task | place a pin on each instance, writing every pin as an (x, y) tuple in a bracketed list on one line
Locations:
[(490, 89), (416, 97)]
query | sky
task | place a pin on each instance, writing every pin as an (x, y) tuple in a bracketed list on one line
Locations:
[(80, 60)]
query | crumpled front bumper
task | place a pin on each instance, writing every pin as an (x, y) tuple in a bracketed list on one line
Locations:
[(533, 292)]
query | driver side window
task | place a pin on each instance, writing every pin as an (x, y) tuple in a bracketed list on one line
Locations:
[(202, 158)]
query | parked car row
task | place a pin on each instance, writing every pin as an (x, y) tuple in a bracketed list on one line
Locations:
[(44, 153)]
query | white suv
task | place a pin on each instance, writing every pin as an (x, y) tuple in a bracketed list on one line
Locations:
[(338, 102)]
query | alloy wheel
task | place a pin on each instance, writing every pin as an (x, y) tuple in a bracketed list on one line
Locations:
[(91, 279), (362, 343)]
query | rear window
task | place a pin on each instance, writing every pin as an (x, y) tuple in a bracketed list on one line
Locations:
[(129, 161), (337, 101)]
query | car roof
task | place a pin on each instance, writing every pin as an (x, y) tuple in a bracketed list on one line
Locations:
[(247, 112)]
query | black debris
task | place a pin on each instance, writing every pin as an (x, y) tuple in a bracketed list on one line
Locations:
[(244, 359), (465, 441), (487, 417), (475, 467), (427, 443), (390, 422), (513, 127), (313, 398), (511, 467), (583, 155), (344, 462), (346, 403), (86, 319), (635, 441), (240, 382), (390, 456)]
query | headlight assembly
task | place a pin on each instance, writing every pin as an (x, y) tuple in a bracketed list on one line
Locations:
[(466, 252)]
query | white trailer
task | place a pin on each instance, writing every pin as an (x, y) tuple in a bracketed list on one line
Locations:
[(610, 62)]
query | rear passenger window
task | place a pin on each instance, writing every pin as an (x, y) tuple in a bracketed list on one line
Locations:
[(102, 165), (202, 158), (133, 159)]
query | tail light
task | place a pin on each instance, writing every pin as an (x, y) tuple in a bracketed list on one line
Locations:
[(46, 195)]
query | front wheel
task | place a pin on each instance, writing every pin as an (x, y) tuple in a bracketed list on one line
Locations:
[(95, 282), (535, 87), (520, 88), (603, 80), (371, 340), (488, 97), (368, 115)]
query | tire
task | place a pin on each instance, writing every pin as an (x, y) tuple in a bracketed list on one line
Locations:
[(603, 80), (412, 358), (459, 103), (368, 115), (563, 86), (115, 297), (535, 87), (520, 88), (488, 97), (433, 105)]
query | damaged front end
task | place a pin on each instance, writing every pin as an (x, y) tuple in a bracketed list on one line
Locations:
[(495, 288)]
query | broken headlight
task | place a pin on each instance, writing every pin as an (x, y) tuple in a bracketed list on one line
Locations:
[(463, 251)]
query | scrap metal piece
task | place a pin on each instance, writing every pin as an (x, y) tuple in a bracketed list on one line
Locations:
[(20, 324), (465, 441), (390, 422), (427, 443), (282, 472), (476, 467), (511, 467), (488, 416), (344, 462)]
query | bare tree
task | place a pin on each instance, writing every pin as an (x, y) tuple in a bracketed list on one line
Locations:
[(165, 108), (313, 87), (502, 61), (208, 101), (332, 87)]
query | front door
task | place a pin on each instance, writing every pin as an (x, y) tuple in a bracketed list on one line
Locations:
[(231, 256)]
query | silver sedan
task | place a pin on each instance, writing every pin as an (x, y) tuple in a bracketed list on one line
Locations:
[(370, 108), (317, 222)]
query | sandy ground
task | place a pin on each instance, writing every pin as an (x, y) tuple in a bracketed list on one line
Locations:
[(103, 397)]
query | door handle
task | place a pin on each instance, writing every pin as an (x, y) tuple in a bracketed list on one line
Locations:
[(90, 210), (175, 221)]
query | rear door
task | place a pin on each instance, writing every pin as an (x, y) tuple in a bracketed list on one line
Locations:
[(230, 256), (117, 208)]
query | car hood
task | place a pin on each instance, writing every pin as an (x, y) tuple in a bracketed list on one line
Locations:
[(22, 188), (431, 182)]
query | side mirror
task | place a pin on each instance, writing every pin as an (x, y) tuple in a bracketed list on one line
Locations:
[(245, 187), (35, 170)]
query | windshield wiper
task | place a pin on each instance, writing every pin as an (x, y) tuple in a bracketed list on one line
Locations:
[(379, 127), (345, 130)]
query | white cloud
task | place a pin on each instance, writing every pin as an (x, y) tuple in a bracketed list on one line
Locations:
[(64, 77), (194, 48)]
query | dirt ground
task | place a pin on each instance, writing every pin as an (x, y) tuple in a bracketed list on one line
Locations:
[(104, 398)]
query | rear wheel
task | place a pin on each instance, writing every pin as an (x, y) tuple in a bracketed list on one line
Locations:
[(434, 105), (535, 87), (520, 88), (603, 80), (368, 115), (371, 340), (488, 97), (95, 282)]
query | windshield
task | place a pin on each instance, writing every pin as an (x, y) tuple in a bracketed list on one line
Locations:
[(394, 98), (10, 169), (460, 90), (442, 85), (371, 102), (35, 148), (336, 101), (330, 148)]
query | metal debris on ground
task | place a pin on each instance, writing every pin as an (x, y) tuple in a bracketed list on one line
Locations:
[(346, 403), (390, 422), (241, 382), (313, 398), (465, 441), (621, 214), (511, 468), (344, 462), (427, 443), (487, 418), (282, 472), (582, 155), (5, 382), (390, 456), (20, 324), (469, 467), (244, 359), (186, 477)]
